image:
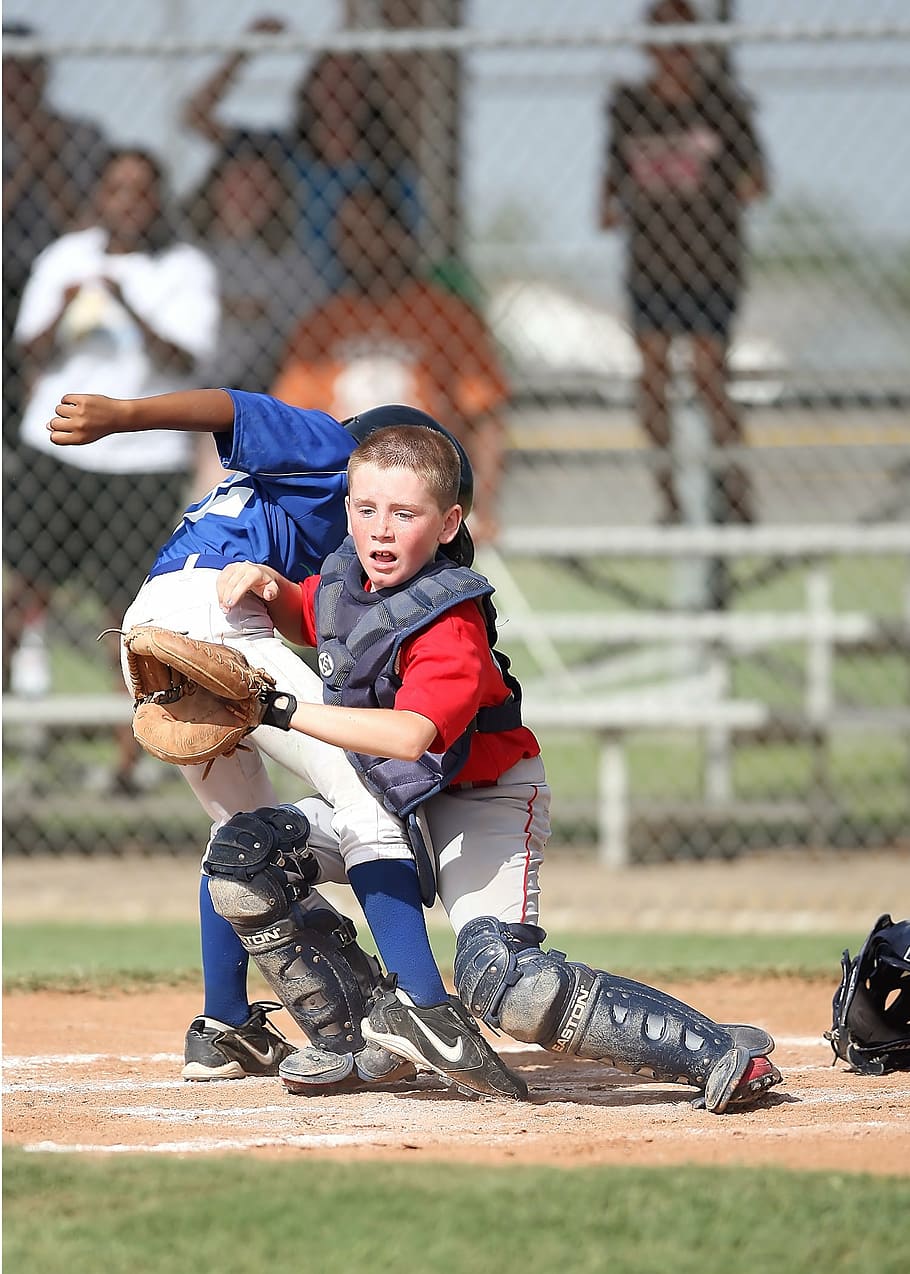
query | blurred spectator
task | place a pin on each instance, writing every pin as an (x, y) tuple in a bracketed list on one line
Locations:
[(388, 336), (242, 214), (344, 131), (683, 163), (120, 308), (51, 163)]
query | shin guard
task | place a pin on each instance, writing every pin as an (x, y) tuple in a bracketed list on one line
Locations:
[(537, 996), (261, 872)]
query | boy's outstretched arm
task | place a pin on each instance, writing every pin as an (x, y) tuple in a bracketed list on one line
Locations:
[(385, 732), (84, 418)]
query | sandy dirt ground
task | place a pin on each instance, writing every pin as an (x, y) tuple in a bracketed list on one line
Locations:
[(101, 1073), (776, 892)]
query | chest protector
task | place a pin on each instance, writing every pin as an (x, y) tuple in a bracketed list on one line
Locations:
[(359, 635)]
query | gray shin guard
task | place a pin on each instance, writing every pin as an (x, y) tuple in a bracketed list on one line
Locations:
[(260, 870), (539, 997)]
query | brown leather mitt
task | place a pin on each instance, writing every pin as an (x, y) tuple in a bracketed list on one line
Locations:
[(195, 700)]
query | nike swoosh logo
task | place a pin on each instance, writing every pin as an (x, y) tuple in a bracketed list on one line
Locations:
[(451, 1052), (266, 1058)]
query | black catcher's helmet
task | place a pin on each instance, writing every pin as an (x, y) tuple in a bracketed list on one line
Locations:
[(461, 549)]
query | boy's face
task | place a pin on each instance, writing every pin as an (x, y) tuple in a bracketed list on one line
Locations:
[(396, 523)]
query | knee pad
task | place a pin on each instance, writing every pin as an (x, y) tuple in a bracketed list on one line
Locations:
[(259, 864), (540, 997), (491, 959), (260, 870)]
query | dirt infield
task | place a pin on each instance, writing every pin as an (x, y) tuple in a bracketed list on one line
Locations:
[(100, 1074)]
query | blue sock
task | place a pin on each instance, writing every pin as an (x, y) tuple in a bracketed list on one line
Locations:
[(389, 894), (224, 964)]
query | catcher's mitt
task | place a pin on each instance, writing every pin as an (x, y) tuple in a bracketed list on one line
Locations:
[(195, 700), (871, 1019)]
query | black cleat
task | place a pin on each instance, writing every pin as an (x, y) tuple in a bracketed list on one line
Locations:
[(741, 1078), (760, 1075), (214, 1050), (443, 1038)]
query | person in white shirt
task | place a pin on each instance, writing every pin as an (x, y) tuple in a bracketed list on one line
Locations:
[(126, 309)]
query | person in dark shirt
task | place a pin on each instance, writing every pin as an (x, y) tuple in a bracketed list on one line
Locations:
[(683, 163), (346, 129)]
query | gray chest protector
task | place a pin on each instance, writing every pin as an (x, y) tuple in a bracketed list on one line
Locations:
[(359, 635)]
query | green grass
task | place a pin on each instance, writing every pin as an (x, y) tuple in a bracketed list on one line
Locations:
[(63, 1216), (89, 956)]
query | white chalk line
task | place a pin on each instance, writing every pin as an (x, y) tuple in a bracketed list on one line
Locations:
[(165, 1115), (96, 1086), (318, 1141), (138, 1085), (852, 1099), (19, 1063), (205, 1145), (22, 1061), (133, 1083)]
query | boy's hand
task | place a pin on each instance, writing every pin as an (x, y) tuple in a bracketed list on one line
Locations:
[(240, 578), (83, 418)]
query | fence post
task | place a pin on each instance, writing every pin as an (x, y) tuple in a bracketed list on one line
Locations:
[(819, 694), (613, 802), (718, 773), (701, 584)]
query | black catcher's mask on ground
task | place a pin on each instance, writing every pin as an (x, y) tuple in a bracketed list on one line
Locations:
[(871, 1010), (461, 549)]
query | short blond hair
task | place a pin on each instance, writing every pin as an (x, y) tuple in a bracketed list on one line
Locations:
[(425, 452)]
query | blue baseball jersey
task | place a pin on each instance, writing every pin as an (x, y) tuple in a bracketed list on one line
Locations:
[(283, 505)]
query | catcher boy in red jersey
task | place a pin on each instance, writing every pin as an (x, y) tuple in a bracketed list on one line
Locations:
[(429, 715)]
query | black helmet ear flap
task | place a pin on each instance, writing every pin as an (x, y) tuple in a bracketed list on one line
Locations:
[(461, 549), (367, 422)]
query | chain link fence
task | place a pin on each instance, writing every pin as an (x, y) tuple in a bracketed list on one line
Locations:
[(664, 254)]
